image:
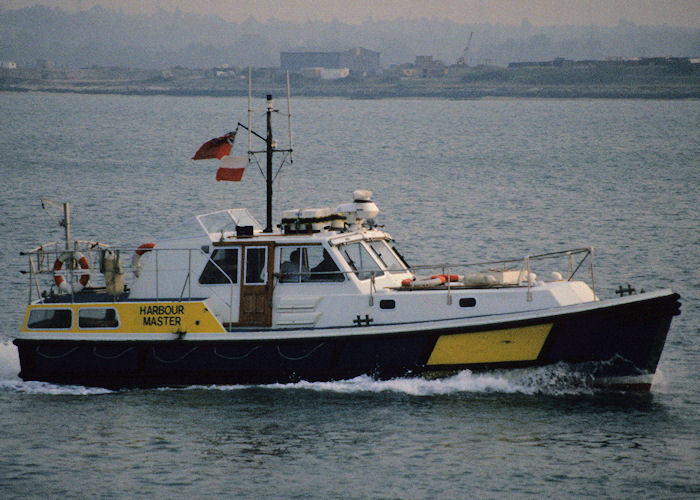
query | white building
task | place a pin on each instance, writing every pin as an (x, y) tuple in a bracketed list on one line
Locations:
[(325, 73)]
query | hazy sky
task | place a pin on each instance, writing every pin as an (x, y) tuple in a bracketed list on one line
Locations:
[(538, 12)]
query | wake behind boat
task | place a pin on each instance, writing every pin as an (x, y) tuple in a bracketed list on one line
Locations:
[(323, 295)]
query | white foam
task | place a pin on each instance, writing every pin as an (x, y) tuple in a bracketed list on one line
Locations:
[(23, 387), (558, 380), (9, 361), (10, 381), (554, 380), (462, 382), (659, 382)]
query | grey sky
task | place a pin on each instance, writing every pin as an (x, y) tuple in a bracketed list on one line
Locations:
[(538, 12)]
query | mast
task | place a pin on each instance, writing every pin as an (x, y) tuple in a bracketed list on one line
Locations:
[(66, 222), (289, 122), (250, 113), (269, 150)]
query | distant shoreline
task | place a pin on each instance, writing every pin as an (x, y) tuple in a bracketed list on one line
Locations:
[(601, 82), (549, 92)]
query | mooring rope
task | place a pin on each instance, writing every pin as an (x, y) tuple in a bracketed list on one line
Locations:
[(255, 348), (94, 351), (302, 357), (71, 351), (153, 350)]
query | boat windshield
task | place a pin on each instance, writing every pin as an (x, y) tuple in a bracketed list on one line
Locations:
[(227, 220), (386, 255), (360, 260)]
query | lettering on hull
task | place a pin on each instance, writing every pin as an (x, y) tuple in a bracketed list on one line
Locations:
[(162, 315)]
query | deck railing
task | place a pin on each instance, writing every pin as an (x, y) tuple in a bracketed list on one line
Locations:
[(43, 261), (574, 260)]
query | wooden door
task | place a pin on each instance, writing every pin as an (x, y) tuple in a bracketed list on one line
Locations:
[(256, 285)]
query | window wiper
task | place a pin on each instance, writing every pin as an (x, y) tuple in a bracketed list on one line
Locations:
[(350, 261), (379, 254)]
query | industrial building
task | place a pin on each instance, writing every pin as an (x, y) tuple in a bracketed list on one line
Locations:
[(358, 60)]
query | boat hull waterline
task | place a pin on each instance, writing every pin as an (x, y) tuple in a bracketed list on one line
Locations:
[(619, 340)]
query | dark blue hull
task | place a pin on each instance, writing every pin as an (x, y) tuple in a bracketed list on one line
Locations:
[(621, 340)]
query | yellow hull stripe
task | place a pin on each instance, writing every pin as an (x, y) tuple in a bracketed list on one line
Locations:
[(140, 317), (495, 346)]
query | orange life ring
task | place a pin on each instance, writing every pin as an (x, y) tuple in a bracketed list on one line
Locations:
[(84, 276), (140, 250), (435, 280), (423, 283), (143, 248), (447, 277)]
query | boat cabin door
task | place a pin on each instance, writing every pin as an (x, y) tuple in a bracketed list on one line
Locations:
[(256, 285)]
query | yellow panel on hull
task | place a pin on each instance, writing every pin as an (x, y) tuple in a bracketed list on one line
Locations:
[(495, 346), (141, 317)]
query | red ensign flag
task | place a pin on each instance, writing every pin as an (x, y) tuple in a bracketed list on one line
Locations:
[(215, 148)]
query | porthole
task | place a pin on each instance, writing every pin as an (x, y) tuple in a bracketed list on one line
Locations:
[(387, 304), (467, 302)]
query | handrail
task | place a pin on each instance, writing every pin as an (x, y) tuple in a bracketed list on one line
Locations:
[(97, 247), (525, 264), (541, 256), (230, 304), (41, 262)]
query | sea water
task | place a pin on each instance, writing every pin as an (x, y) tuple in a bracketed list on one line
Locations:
[(456, 181)]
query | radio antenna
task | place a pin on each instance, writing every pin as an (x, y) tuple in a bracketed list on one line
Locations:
[(289, 118), (250, 113)]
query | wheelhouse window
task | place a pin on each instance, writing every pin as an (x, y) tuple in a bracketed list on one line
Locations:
[(398, 253), (222, 267), (98, 317), (50, 319), (308, 264), (360, 260), (255, 265), (386, 255)]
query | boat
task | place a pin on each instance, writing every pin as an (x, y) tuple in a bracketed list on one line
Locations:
[(323, 295)]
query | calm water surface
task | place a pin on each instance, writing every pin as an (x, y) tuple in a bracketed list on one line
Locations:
[(456, 181)]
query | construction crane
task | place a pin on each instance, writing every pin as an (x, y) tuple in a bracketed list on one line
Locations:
[(462, 61)]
